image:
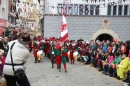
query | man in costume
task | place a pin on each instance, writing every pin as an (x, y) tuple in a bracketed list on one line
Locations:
[(71, 52), (52, 53), (35, 49), (64, 56), (57, 51)]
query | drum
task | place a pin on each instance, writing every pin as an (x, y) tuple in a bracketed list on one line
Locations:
[(75, 55), (68, 54), (39, 54)]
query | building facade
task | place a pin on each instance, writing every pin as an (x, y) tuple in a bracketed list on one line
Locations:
[(12, 14), (89, 20), (3, 15), (42, 15), (28, 16)]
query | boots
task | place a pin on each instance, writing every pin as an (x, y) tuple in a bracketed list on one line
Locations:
[(38, 61), (52, 63), (35, 60)]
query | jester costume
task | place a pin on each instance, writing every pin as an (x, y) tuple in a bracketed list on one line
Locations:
[(41, 45), (57, 52), (52, 55), (35, 49), (64, 55), (71, 54)]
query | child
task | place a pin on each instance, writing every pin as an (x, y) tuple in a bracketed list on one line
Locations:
[(109, 60)]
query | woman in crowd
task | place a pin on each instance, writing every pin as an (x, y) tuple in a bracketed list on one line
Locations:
[(112, 65), (123, 67), (109, 60), (100, 63), (96, 58)]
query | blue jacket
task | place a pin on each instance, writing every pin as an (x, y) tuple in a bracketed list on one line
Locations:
[(104, 48)]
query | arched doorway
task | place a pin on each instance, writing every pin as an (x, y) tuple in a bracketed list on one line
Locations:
[(105, 31), (105, 37)]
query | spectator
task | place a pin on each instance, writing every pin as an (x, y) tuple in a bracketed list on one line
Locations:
[(123, 67)]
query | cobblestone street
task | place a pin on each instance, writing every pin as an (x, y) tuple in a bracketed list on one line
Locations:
[(41, 74)]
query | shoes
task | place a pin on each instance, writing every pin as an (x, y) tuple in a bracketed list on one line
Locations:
[(110, 75), (65, 70), (52, 67), (118, 77), (35, 62), (59, 70), (106, 73), (100, 70)]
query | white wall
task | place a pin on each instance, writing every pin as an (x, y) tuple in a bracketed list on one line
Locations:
[(50, 10), (4, 4)]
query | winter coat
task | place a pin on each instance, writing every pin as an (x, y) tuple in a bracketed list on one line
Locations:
[(105, 48), (125, 64), (116, 61), (109, 60)]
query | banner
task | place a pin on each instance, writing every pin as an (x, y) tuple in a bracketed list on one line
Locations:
[(64, 31)]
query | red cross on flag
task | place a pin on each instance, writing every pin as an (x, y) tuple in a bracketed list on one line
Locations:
[(64, 32)]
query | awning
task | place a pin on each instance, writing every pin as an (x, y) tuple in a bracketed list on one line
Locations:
[(1, 30), (3, 24)]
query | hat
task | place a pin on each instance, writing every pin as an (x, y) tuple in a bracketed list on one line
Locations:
[(25, 38), (1, 51)]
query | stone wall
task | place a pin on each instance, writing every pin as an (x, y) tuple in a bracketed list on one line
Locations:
[(85, 26)]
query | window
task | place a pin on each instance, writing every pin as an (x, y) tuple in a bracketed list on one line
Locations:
[(81, 9), (76, 9), (91, 9), (126, 9), (109, 10), (114, 10), (60, 9), (86, 9), (97, 10), (65, 8), (120, 10), (3, 12), (71, 9)]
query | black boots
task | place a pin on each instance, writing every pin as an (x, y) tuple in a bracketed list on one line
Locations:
[(35, 60)]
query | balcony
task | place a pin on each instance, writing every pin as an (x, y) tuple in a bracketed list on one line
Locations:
[(13, 3)]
